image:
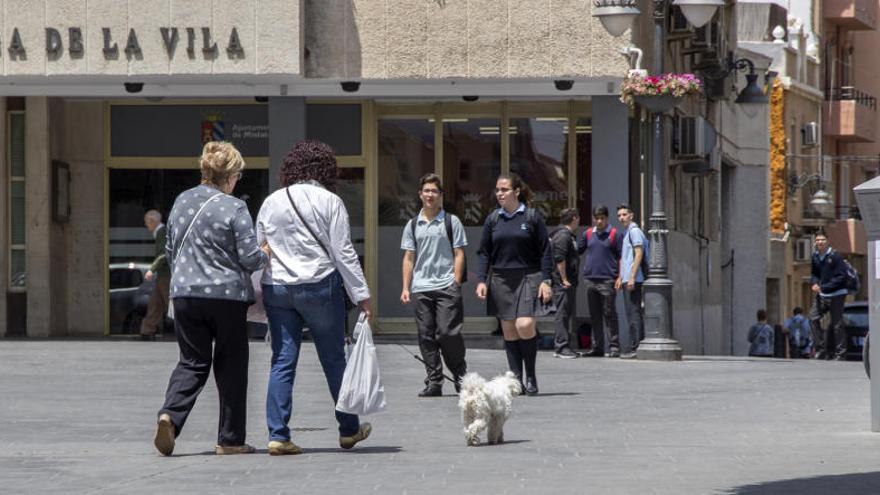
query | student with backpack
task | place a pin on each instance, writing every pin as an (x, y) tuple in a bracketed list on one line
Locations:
[(602, 245), (761, 337), (433, 270), (829, 276), (798, 329), (515, 247), (633, 269), (563, 242)]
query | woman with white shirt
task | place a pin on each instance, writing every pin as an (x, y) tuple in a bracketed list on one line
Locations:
[(313, 261)]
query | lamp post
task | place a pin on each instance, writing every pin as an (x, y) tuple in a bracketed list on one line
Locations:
[(659, 343)]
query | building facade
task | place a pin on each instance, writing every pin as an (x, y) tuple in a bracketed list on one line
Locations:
[(107, 106)]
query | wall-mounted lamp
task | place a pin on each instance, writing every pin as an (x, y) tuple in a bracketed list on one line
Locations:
[(821, 201), (752, 93)]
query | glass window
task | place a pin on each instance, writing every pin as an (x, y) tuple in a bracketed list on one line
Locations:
[(406, 153), (471, 164), (16, 144), (539, 154), (132, 247), (583, 154), (337, 125), (17, 219), (350, 187), (16, 212), (18, 274)]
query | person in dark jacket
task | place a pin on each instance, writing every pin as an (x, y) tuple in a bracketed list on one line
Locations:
[(829, 287), (563, 242), (515, 246), (602, 245), (157, 305)]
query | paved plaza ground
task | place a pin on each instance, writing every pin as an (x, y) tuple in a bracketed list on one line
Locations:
[(79, 416)]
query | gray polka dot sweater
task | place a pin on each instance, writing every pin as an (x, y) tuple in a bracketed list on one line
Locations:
[(217, 258)]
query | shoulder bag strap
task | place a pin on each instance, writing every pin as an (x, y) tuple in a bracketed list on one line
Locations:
[(193, 222), (305, 224)]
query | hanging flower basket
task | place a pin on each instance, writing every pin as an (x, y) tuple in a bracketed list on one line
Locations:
[(657, 104), (658, 93)]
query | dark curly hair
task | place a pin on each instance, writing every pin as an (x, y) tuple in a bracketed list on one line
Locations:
[(309, 159)]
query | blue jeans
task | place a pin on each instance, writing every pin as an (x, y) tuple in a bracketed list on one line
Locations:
[(321, 307)]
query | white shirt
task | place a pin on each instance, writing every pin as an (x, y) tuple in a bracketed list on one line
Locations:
[(296, 257)]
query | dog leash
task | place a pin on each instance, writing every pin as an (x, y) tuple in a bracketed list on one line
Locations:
[(421, 360)]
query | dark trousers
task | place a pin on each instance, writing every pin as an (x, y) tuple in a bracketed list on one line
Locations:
[(603, 314), (822, 339), (199, 324), (157, 305), (439, 317), (562, 299), (632, 302)]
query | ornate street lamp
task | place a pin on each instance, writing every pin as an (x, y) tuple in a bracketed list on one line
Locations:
[(821, 201), (617, 16), (698, 12)]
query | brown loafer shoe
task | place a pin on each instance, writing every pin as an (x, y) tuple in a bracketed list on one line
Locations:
[(362, 434), (283, 448), (234, 449), (164, 440)]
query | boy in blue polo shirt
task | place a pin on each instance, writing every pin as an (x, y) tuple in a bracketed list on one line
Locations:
[(433, 271)]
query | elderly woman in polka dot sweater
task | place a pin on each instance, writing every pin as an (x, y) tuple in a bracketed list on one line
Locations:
[(212, 248)]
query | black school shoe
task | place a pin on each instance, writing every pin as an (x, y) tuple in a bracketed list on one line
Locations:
[(431, 392)]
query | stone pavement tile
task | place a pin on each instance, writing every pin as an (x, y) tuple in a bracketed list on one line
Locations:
[(78, 417)]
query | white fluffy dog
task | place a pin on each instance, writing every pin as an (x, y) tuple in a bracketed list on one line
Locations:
[(486, 405)]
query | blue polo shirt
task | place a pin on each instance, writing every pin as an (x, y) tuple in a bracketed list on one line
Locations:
[(435, 261)]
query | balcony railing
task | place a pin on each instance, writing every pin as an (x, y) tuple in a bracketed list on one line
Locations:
[(849, 115), (850, 93), (852, 14)]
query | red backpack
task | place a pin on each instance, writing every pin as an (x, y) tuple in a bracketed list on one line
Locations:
[(613, 235)]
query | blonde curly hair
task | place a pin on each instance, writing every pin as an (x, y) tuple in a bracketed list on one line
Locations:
[(220, 161)]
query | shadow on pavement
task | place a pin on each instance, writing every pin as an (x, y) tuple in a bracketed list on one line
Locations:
[(506, 442), (359, 450), (850, 484), (557, 394)]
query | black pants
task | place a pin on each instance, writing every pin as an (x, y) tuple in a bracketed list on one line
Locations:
[(439, 317), (822, 339), (562, 299), (632, 301), (603, 314), (199, 324)]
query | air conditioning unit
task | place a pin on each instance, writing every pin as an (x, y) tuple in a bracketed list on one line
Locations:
[(810, 134), (689, 137), (803, 249)]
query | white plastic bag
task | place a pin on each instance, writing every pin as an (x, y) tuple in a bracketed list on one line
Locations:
[(362, 392)]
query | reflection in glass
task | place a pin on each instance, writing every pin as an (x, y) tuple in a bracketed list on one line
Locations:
[(132, 247), (584, 162), (471, 163), (350, 187), (539, 154), (406, 153)]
